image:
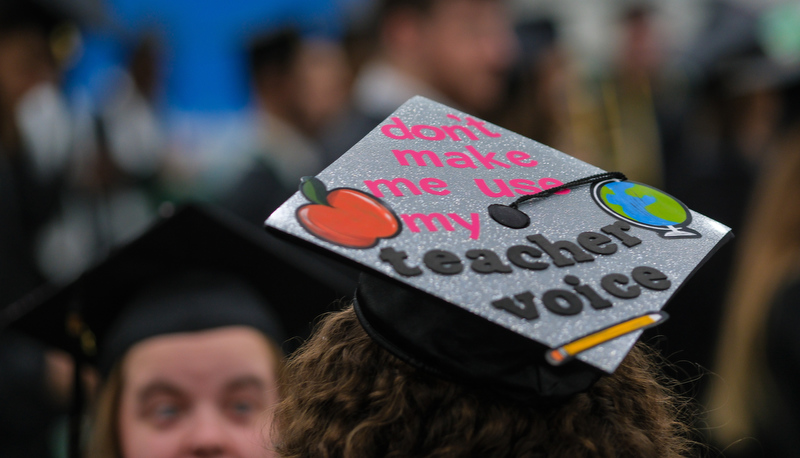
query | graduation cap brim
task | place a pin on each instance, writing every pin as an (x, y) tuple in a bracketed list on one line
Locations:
[(440, 338), (298, 285)]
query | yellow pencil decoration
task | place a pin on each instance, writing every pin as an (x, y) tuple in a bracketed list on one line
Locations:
[(566, 352)]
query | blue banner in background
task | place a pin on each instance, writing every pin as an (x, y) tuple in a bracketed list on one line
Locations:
[(202, 65)]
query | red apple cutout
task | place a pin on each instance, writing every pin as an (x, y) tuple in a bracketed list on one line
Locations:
[(345, 216)]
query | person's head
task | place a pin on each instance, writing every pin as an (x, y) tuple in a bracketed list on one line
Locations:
[(462, 48), (640, 51), (345, 395), (26, 58), (201, 381), (195, 393), (301, 80)]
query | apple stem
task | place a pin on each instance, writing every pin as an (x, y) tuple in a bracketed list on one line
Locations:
[(314, 190)]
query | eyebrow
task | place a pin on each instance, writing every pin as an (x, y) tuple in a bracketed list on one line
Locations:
[(158, 387), (245, 381)]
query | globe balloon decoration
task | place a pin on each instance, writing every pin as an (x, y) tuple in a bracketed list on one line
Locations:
[(645, 206)]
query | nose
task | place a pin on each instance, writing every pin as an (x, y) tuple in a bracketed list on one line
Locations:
[(208, 433)]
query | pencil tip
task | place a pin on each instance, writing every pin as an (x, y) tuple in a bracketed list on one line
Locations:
[(556, 357)]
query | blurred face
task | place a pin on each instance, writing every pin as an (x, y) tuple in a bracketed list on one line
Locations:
[(25, 62), (198, 394), (322, 72), (468, 46)]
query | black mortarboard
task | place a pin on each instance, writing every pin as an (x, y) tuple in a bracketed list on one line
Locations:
[(532, 300), (197, 269)]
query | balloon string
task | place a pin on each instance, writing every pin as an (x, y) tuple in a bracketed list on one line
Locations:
[(571, 184)]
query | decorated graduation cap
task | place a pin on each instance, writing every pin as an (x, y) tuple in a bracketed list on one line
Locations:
[(492, 259), (197, 269)]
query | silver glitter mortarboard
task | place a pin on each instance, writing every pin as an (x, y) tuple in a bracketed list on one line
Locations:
[(592, 269)]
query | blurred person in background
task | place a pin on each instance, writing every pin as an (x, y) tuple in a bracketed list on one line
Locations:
[(730, 117), (189, 347), (536, 100), (300, 85), (629, 97), (754, 402), (186, 327), (607, 117), (547, 99), (35, 140), (714, 148), (118, 155), (456, 52)]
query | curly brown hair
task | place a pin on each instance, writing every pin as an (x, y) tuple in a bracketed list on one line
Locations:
[(345, 396)]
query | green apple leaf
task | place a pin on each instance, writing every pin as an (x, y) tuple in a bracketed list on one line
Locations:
[(314, 190)]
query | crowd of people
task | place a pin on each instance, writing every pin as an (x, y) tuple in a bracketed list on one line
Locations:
[(89, 162)]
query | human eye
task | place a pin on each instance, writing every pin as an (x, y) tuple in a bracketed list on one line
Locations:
[(162, 413), (244, 400), (243, 409), (166, 411)]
